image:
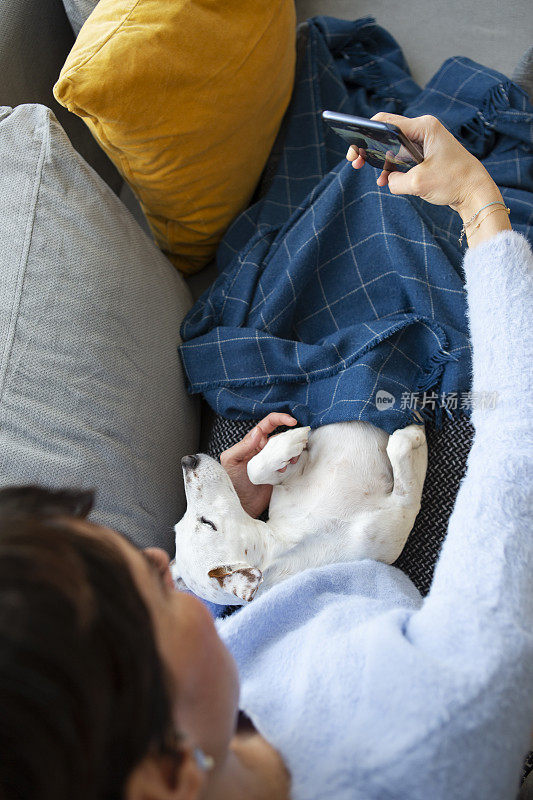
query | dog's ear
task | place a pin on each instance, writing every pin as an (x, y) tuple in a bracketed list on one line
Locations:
[(242, 580)]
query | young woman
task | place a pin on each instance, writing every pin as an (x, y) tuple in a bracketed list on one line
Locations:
[(113, 685)]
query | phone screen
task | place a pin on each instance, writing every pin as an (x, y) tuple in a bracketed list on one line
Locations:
[(381, 149)]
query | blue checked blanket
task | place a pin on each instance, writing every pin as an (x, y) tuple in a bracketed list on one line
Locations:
[(337, 300)]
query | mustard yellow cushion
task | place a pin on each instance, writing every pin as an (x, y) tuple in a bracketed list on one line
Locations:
[(186, 97)]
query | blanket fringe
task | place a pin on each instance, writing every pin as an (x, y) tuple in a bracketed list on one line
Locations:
[(432, 373), (430, 381)]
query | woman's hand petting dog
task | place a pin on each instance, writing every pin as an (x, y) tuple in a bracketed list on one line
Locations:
[(254, 499)]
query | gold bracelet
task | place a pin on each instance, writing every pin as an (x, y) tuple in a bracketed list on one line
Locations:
[(496, 202), (485, 217)]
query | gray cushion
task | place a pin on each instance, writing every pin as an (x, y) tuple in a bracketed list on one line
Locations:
[(523, 73), (491, 32), (91, 385), (78, 11)]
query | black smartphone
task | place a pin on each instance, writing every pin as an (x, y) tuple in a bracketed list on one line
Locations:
[(382, 145)]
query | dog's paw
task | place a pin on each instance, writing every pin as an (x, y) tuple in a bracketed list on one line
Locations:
[(277, 454), (279, 450), (403, 440)]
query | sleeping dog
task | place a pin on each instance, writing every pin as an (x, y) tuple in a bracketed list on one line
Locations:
[(348, 491)]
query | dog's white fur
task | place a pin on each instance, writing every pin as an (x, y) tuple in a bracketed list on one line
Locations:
[(354, 493)]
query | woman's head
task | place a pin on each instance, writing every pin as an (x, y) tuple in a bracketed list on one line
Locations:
[(99, 663)]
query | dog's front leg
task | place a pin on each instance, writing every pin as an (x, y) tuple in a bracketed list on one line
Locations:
[(408, 455), (276, 455)]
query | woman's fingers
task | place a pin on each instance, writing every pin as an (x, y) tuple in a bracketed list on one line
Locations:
[(438, 146), (353, 153), (415, 128), (243, 450), (356, 156), (273, 421), (255, 440)]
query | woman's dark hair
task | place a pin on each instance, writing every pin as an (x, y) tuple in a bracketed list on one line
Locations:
[(83, 693)]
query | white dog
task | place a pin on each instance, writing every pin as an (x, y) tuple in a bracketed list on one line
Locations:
[(354, 493)]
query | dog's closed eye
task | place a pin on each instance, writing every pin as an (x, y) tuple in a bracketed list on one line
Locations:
[(205, 521)]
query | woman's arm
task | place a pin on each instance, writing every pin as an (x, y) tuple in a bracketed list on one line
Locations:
[(481, 599), (463, 662), (475, 628)]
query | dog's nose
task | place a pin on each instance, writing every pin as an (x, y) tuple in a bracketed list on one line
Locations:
[(190, 462)]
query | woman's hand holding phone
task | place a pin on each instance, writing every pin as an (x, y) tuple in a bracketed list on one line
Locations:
[(449, 174)]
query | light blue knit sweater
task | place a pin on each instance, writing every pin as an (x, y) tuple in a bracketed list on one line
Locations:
[(366, 689)]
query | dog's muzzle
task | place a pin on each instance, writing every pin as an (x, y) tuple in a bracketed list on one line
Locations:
[(190, 462)]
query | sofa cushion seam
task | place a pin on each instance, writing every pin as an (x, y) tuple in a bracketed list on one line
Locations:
[(21, 270)]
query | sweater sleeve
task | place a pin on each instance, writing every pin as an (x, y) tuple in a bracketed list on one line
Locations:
[(477, 620), (483, 582)]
